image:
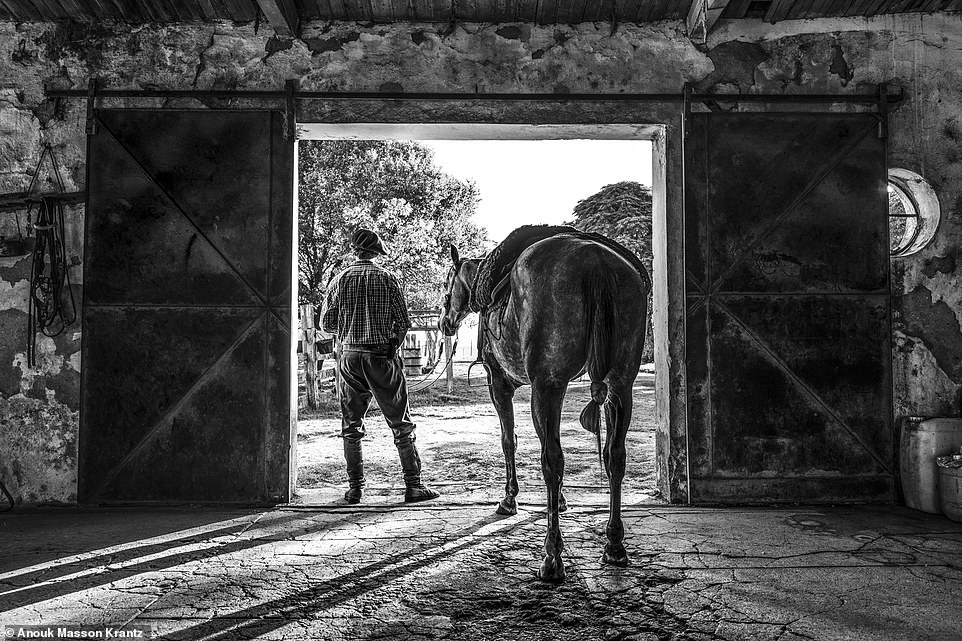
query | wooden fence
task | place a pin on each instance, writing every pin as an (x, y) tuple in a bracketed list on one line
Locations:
[(316, 349), (317, 365)]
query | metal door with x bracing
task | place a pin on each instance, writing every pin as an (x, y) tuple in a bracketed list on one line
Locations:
[(186, 392), (788, 328)]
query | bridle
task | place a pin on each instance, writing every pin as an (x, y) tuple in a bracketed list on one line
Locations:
[(447, 296), (481, 324)]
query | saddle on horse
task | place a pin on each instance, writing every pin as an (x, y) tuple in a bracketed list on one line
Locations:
[(491, 287), (494, 272)]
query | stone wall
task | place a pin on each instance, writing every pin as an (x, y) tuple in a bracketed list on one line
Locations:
[(922, 54)]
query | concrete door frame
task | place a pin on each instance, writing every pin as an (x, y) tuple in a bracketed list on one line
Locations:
[(659, 123)]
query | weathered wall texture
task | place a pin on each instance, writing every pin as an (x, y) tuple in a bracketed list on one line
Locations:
[(922, 54)]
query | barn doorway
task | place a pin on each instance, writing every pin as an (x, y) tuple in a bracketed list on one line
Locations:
[(742, 295), (572, 174)]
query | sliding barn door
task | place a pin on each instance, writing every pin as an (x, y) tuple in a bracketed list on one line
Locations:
[(788, 311), (187, 308)]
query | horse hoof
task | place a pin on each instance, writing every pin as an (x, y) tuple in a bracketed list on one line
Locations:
[(615, 555), (552, 571), (562, 503), (507, 507)]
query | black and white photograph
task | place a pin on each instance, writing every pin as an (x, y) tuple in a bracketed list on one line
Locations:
[(470, 320)]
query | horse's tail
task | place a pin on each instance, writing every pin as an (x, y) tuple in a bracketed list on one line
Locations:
[(600, 288)]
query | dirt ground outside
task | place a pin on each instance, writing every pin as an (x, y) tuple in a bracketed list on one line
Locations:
[(459, 438)]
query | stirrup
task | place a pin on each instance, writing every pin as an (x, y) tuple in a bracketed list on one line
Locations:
[(487, 374)]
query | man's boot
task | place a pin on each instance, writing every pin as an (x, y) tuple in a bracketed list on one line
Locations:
[(411, 465), (355, 471)]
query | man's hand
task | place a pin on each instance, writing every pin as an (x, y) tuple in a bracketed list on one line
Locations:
[(397, 341)]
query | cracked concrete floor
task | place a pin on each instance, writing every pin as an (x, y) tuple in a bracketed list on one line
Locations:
[(458, 571)]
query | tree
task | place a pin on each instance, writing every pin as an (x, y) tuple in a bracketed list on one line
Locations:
[(621, 211), (394, 188)]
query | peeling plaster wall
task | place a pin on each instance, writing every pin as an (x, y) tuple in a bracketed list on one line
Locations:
[(922, 54), (39, 406)]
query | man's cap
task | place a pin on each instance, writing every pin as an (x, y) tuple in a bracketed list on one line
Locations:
[(367, 240)]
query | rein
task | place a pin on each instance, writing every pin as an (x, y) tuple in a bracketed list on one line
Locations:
[(421, 386)]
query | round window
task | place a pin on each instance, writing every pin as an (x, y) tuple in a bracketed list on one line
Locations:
[(913, 212)]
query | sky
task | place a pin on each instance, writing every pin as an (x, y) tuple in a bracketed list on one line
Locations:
[(524, 182)]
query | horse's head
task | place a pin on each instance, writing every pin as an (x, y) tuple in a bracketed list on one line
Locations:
[(457, 296)]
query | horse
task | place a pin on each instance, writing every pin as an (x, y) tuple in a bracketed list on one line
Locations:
[(570, 304)]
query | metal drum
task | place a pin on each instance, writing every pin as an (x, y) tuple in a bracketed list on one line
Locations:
[(412, 360)]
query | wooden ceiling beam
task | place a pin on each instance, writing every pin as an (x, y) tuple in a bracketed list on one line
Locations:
[(801, 9), (778, 10), (526, 10), (50, 10), (207, 9), (702, 18), (25, 10), (285, 16), (282, 16)]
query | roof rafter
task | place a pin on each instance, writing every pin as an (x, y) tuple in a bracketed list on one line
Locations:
[(702, 17), (282, 15)]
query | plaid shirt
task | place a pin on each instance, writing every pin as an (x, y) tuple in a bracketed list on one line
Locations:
[(365, 306)]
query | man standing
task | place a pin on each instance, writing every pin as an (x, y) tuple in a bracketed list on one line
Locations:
[(365, 309)]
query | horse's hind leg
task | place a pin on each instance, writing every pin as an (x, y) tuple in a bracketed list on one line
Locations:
[(546, 404), (615, 456), (502, 395)]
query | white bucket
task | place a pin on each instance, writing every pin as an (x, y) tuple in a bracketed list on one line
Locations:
[(921, 444), (950, 487)]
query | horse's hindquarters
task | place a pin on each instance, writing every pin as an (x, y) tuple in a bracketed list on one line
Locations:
[(556, 284)]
